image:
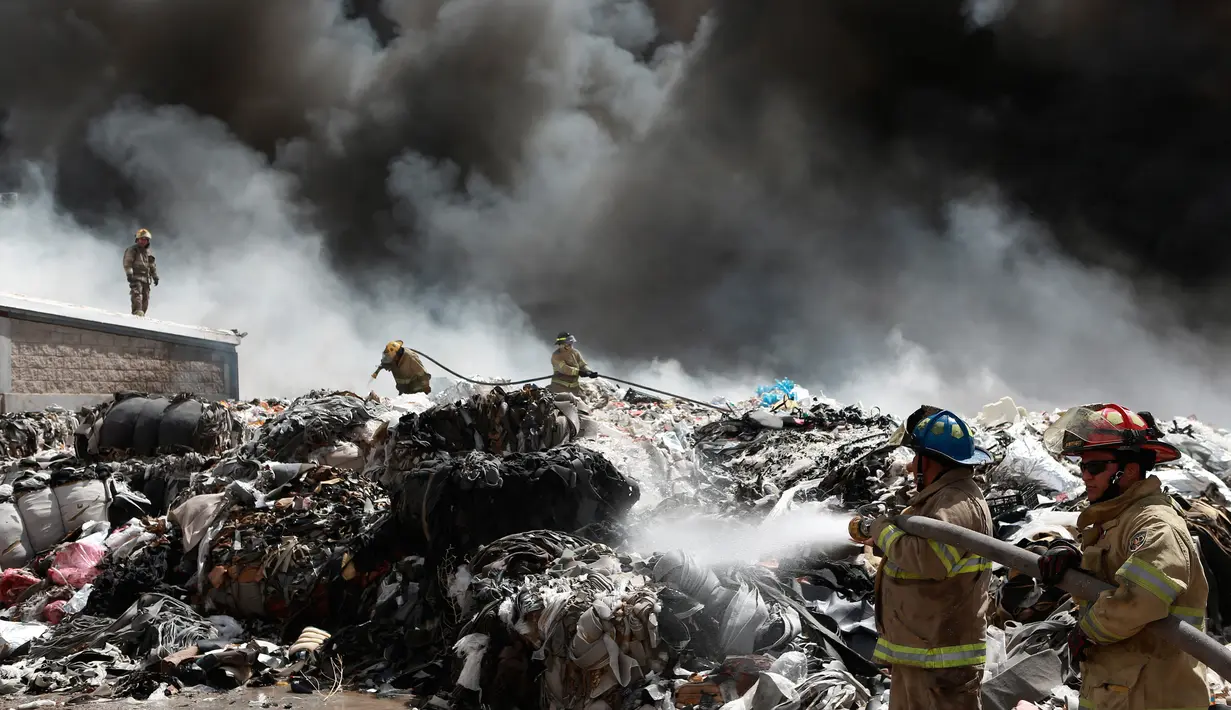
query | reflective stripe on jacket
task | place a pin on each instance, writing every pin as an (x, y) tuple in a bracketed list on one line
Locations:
[(931, 598), (566, 368), (1138, 542)]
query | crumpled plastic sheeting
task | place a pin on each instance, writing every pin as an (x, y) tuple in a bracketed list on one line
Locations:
[(1025, 458), (14, 635), (316, 420), (832, 688), (154, 626), (521, 421), (85, 671), (757, 457), (1209, 447), (590, 618), (25, 434), (76, 563), (474, 499)]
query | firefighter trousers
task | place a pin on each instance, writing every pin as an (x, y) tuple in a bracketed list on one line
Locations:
[(914, 688), (139, 295)]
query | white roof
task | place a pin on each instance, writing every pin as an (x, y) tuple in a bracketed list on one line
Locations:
[(44, 311)]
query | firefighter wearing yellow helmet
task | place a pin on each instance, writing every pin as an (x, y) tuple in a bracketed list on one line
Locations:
[(141, 270), (407, 369)]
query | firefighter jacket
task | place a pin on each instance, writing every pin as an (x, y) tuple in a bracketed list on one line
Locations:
[(931, 598), (1139, 542), (567, 367), (139, 264), (408, 373)]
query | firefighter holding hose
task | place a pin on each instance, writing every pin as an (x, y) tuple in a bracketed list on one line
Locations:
[(408, 372), (1133, 538), (568, 366), (931, 598)]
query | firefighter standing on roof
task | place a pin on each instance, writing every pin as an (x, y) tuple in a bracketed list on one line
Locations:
[(1131, 537), (407, 369), (568, 366), (931, 598), (141, 270)]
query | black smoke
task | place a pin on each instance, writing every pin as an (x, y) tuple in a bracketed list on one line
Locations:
[(818, 178)]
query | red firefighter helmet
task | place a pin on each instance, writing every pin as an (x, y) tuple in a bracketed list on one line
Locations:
[(1108, 427)]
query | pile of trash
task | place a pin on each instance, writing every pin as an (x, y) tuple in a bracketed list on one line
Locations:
[(829, 451), (332, 428), (26, 434), (486, 548), (497, 422)]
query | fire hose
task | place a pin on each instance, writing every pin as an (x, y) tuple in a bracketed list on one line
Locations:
[(699, 403), (1170, 630)]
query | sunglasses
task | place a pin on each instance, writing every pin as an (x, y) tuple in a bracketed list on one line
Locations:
[(1094, 468)]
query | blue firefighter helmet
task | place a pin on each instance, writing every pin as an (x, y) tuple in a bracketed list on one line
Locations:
[(943, 435)]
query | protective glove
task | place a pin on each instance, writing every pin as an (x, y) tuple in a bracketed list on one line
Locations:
[(128, 275), (591, 374), (1061, 556), (155, 280), (1079, 643)]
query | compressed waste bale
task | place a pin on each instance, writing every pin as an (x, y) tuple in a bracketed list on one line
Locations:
[(274, 560), (178, 426), (471, 500), (119, 424), (163, 479), (16, 550), (40, 516), (146, 428), (217, 429), (81, 502), (521, 421)]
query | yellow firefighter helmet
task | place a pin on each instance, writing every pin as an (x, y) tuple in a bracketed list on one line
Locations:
[(142, 234), (392, 349)]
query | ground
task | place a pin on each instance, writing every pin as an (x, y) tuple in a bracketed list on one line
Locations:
[(270, 698)]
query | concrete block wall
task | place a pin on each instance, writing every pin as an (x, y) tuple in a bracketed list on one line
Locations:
[(59, 359)]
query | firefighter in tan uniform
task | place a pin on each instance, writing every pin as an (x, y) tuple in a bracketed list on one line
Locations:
[(568, 366), (1131, 537), (931, 598), (141, 270), (407, 369)]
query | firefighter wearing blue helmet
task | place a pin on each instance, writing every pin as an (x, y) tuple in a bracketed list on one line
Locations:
[(931, 598)]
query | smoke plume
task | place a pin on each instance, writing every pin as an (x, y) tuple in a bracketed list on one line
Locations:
[(943, 201)]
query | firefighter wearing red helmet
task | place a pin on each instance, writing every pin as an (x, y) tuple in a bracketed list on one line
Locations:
[(1133, 538)]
